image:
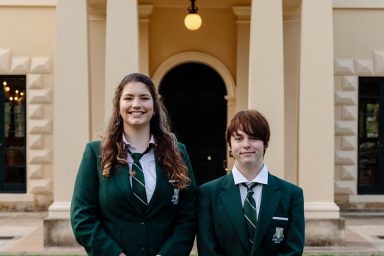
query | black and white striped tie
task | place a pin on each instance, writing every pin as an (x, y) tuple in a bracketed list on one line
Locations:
[(250, 211)]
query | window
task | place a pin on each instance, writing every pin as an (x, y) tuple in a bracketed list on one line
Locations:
[(12, 135), (370, 151)]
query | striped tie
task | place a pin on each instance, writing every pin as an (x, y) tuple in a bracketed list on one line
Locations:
[(250, 210), (138, 181)]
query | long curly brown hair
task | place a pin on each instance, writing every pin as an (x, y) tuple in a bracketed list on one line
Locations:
[(112, 147)]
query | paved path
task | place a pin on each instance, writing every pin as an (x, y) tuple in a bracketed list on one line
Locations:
[(27, 229)]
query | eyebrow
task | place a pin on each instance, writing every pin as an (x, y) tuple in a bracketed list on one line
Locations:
[(135, 95)]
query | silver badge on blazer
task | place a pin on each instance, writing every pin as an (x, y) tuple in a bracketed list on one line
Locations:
[(278, 237), (175, 197)]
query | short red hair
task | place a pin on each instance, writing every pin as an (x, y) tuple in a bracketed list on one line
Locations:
[(251, 122)]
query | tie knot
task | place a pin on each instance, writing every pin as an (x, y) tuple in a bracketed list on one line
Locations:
[(137, 156), (250, 188)]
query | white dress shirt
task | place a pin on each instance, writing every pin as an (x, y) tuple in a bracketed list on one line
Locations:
[(147, 162), (262, 178)]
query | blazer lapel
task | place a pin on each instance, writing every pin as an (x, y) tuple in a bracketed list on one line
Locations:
[(121, 176), (161, 187), (232, 201), (269, 201)]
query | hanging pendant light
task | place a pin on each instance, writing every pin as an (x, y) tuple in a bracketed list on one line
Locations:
[(193, 20)]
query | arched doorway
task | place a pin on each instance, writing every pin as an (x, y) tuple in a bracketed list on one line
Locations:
[(193, 94)]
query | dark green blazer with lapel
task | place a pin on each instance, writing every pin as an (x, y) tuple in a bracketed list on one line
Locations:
[(106, 218), (221, 224)]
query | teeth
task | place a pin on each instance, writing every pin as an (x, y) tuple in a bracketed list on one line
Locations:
[(137, 113)]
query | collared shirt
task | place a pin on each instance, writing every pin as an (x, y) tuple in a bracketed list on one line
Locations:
[(262, 178), (147, 161)]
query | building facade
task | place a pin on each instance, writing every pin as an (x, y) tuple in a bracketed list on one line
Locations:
[(315, 69)]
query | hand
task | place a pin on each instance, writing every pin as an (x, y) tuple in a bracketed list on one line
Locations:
[(122, 254)]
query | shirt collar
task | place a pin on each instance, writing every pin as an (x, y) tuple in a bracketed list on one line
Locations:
[(262, 177), (152, 141)]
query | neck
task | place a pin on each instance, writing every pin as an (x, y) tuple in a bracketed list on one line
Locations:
[(138, 137), (250, 172)]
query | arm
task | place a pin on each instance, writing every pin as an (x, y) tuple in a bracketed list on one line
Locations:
[(294, 239), (181, 239), (206, 238), (85, 210)]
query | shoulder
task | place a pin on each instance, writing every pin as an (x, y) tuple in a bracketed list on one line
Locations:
[(93, 146), (181, 146), (212, 186), (286, 187)]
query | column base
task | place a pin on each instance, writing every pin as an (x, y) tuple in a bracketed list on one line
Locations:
[(325, 232), (58, 233)]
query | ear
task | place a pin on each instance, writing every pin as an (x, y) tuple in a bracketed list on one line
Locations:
[(229, 147), (266, 146)]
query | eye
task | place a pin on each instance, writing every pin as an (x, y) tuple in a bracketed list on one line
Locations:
[(145, 98), (238, 138)]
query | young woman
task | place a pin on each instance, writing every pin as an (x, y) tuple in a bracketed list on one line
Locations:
[(249, 211), (135, 190)]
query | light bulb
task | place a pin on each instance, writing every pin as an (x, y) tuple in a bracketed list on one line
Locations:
[(17, 91), (7, 89), (5, 83), (193, 21), (11, 98), (21, 93), (15, 98)]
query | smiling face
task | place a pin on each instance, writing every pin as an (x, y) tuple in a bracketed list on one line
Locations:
[(136, 105), (246, 149)]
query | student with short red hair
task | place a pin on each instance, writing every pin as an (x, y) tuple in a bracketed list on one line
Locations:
[(249, 211)]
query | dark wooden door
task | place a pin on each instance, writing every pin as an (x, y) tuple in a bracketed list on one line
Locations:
[(194, 97), (371, 139)]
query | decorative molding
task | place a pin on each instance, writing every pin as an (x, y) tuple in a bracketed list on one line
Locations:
[(196, 57), (5, 60), (243, 13), (144, 10), (40, 126), (349, 142), (349, 113), (40, 156), (379, 61), (345, 127), (345, 98), (360, 4), (20, 65), (345, 157), (364, 66), (40, 65), (291, 14), (350, 83), (35, 171), (35, 141), (20, 3), (231, 100), (34, 81), (36, 111), (343, 187), (40, 186), (40, 96), (348, 172), (344, 66)]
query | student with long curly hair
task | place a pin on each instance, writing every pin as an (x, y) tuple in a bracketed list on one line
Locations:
[(135, 190)]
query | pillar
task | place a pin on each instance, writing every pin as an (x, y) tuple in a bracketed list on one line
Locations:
[(316, 125), (243, 14), (266, 75), (144, 11), (71, 129), (122, 45)]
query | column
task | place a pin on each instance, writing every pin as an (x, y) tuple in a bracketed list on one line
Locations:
[(243, 14), (316, 125), (71, 129), (144, 11), (266, 75), (231, 111), (122, 45)]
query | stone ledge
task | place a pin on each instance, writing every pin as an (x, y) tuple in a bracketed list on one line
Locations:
[(325, 232), (58, 233)]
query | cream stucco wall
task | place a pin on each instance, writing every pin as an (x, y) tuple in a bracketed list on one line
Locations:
[(169, 36), (30, 32), (357, 35)]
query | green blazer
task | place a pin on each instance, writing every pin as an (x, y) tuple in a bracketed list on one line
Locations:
[(221, 223), (106, 218)]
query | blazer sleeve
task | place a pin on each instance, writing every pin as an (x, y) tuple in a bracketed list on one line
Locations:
[(182, 237), (206, 239), (85, 210), (294, 238)]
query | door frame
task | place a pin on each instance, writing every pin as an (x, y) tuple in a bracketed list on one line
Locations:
[(218, 66)]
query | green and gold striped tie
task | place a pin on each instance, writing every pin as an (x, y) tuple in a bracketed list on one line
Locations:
[(250, 211), (138, 181)]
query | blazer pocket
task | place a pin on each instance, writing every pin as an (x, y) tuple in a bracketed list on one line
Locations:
[(115, 234)]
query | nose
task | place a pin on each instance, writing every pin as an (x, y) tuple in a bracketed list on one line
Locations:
[(136, 103), (246, 143)]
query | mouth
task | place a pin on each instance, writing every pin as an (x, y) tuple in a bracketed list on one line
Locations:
[(136, 113), (247, 153)]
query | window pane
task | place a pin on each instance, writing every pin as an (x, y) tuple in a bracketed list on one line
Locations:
[(14, 175), (370, 88), (369, 159), (372, 124), (368, 144), (14, 157), (369, 176)]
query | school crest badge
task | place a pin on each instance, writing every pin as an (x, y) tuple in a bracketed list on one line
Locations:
[(175, 197), (278, 237)]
